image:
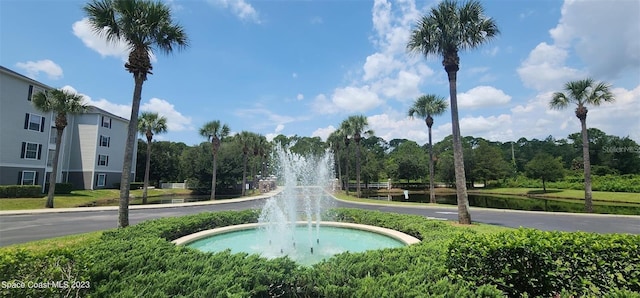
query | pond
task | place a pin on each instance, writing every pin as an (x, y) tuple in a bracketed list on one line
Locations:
[(518, 203)]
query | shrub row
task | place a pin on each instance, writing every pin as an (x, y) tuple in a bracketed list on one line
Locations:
[(20, 191), (61, 188), (538, 263), (132, 185), (616, 183)]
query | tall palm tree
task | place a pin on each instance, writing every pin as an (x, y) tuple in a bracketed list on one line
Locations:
[(148, 125), (447, 29), (345, 130), (61, 102), (246, 140), (357, 127), (145, 26), (214, 132), (427, 106), (335, 139), (582, 93)]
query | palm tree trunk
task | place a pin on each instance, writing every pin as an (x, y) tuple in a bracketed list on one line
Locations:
[(358, 190), (461, 184), (146, 173), (125, 180), (54, 168), (432, 191), (588, 200), (213, 177), (244, 175), (346, 171)]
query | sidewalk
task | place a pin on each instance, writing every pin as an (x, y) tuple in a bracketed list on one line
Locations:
[(136, 207)]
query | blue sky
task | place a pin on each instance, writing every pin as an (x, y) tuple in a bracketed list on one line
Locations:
[(301, 67)]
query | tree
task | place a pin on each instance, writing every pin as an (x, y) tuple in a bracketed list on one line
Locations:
[(356, 127), (214, 132), (546, 167), (145, 26), (444, 31), (61, 102), (489, 162), (582, 93), (335, 139), (148, 125), (407, 162), (246, 140), (427, 106)]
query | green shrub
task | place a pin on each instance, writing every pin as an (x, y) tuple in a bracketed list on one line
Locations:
[(132, 185), (540, 263), (20, 191), (61, 188)]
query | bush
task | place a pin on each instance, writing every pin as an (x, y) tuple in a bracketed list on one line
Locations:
[(538, 263), (132, 185), (61, 188), (20, 191)]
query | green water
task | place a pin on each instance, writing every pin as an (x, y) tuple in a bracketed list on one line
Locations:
[(332, 240)]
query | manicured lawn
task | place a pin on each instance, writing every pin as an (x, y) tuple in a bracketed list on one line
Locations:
[(564, 193), (46, 245), (84, 197)]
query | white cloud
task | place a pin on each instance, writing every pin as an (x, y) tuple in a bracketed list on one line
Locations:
[(544, 69), (316, 20), (32, 69), (603, 34), (483, 96), (394, 125), (355, 99), (379, 64), (120, 110), (82, 29), (175, 120), (240, 8), (324, 132), (294, 75), (300, 96)]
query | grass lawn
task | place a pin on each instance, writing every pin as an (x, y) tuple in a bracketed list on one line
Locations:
[(46, 245), (607, 196), (84, 197)]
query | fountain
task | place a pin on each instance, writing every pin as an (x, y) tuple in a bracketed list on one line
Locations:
[(291, 222)]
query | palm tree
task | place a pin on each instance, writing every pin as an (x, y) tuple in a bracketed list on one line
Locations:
[(427, 106), (582, 93), (148, 125), (334, 139), (357, 127), (246, 140), (61, 102), (214, 132), (345, 130), (145, 26), (444, 31)]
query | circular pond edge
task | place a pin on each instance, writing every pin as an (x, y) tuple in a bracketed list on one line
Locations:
[(402, 237)]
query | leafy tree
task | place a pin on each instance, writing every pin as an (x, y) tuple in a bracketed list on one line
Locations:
[(489, 163), (246, 140), (148, 125), (165, 161), (61, 102), (408, 162), (214, 132), (447, 29), (427, 106), (335, 140), (356, 127), (582, 93), (546, 167), (144, 25), (624, 155)]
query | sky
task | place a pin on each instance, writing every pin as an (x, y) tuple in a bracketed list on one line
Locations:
[(302, 67)]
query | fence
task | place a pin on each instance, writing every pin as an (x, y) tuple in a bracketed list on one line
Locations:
[(174, 185)]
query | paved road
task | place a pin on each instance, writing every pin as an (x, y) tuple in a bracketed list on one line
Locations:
[(42, 224)]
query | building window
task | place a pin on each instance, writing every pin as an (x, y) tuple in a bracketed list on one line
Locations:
[(50, 157), (30, 92), (31, 151), (105, 141), (34, 122), (106, 122), (103, 160), (33, 90), (28, 178), (102, 178)]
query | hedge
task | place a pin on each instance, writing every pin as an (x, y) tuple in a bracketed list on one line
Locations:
[(20, 191), (539, 263)]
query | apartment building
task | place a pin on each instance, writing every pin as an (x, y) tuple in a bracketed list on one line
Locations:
[(92, 148)]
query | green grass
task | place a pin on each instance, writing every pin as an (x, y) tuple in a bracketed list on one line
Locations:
[(606, 196), (46, 245), (109, 197)]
